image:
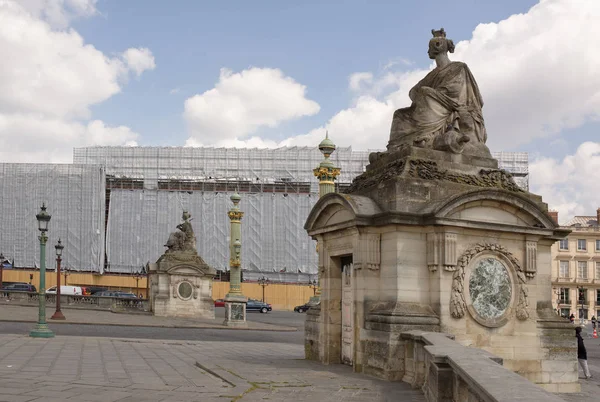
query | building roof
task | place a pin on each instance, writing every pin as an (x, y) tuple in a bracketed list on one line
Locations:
[(584, 221)]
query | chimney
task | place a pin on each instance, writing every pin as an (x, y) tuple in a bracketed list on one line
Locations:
[(554, 215), (598, 217)]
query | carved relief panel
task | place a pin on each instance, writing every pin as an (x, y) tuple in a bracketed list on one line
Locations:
[(441, 251)]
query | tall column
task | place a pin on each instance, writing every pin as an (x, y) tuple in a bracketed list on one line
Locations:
[(327, 174), (235, 301)]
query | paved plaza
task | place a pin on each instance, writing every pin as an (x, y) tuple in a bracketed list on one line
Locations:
[(196, 363), (105, 369)]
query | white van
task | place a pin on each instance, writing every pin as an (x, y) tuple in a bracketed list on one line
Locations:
[(65, 290)]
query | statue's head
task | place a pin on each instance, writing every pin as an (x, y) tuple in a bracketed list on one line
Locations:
[(186, 215), (439, 44)]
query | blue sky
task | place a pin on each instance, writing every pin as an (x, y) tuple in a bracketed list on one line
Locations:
[(318, 43), (280, 73)]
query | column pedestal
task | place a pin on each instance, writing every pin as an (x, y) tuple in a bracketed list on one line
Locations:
[(235, 311)]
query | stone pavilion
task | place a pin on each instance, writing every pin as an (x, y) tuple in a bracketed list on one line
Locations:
[(433, 236)]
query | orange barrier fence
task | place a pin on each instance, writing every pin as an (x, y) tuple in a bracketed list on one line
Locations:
[(280, 296)]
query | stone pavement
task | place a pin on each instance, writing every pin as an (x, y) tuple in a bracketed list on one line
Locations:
[(95, 317), (105, 369)]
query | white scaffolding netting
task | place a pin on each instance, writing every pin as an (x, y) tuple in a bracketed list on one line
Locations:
[(273, 238), (148, 187), (517, 164), (154, 165), (75, 198)]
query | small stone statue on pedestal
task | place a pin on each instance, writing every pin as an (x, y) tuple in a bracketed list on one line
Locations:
[(180, 280)]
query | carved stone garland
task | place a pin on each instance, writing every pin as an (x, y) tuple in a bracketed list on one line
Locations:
[(458, 305)]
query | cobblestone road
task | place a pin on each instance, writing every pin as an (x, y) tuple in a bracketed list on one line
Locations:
[(105, 369)]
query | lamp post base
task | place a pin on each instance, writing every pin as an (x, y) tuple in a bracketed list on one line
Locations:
[(235, 311), (41, 331), (58, 315)]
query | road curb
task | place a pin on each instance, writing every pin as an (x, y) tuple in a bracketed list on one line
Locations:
[(207, 326)]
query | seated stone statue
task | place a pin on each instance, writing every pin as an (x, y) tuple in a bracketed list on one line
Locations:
[(185, 239), (446, 107)]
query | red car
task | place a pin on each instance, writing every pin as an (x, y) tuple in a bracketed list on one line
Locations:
[(219, 303)]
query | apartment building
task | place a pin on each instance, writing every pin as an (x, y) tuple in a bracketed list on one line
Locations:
[(576, 268)]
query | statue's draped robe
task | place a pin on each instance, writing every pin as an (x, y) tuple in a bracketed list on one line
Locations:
[(447, 96)]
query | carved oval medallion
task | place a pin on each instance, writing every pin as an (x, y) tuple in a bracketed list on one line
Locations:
[(185, 290), (490, 288)]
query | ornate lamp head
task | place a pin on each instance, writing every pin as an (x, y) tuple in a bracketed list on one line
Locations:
[(43, 219), (439, 44), (59, 248)]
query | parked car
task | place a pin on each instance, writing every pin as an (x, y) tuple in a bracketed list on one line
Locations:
[(255, 305), (219, 303), (66, 290), (20, 287), (115, 293), (93, 290), (305, 307)]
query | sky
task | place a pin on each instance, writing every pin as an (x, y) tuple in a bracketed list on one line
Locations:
[(270, 73)]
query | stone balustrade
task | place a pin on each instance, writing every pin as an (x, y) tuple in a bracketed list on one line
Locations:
[(117, 304), (448, 371)]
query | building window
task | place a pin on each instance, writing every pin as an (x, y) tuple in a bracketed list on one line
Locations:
[(597, 245), (564, 269), (581, 245), (582, 295), (564, 244), (582, 271), (598, 297), (564, 296), (598, 270)]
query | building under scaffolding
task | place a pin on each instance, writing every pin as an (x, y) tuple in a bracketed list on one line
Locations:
[(74, 195), (148, 187)]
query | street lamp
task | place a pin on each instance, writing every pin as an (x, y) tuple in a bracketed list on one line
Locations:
[(137, 276), (65, 272), (264, 282), (313, 285), (41, 330), (58, 315)]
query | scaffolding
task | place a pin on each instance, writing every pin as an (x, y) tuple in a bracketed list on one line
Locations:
[(148, 187), (517, 164), (74, 196)]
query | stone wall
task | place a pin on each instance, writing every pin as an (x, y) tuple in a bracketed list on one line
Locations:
[(447, 371)]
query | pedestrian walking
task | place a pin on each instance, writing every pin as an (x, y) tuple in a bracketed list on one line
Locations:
[(572, 318), (594, 321), (582, 354)]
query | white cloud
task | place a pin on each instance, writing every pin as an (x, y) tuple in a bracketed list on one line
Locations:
[(357, 79), (30, 138), (51, 79), (139, 60), (174, 91), (569, 185), (59, 13), (240, 103), (537, 77)]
